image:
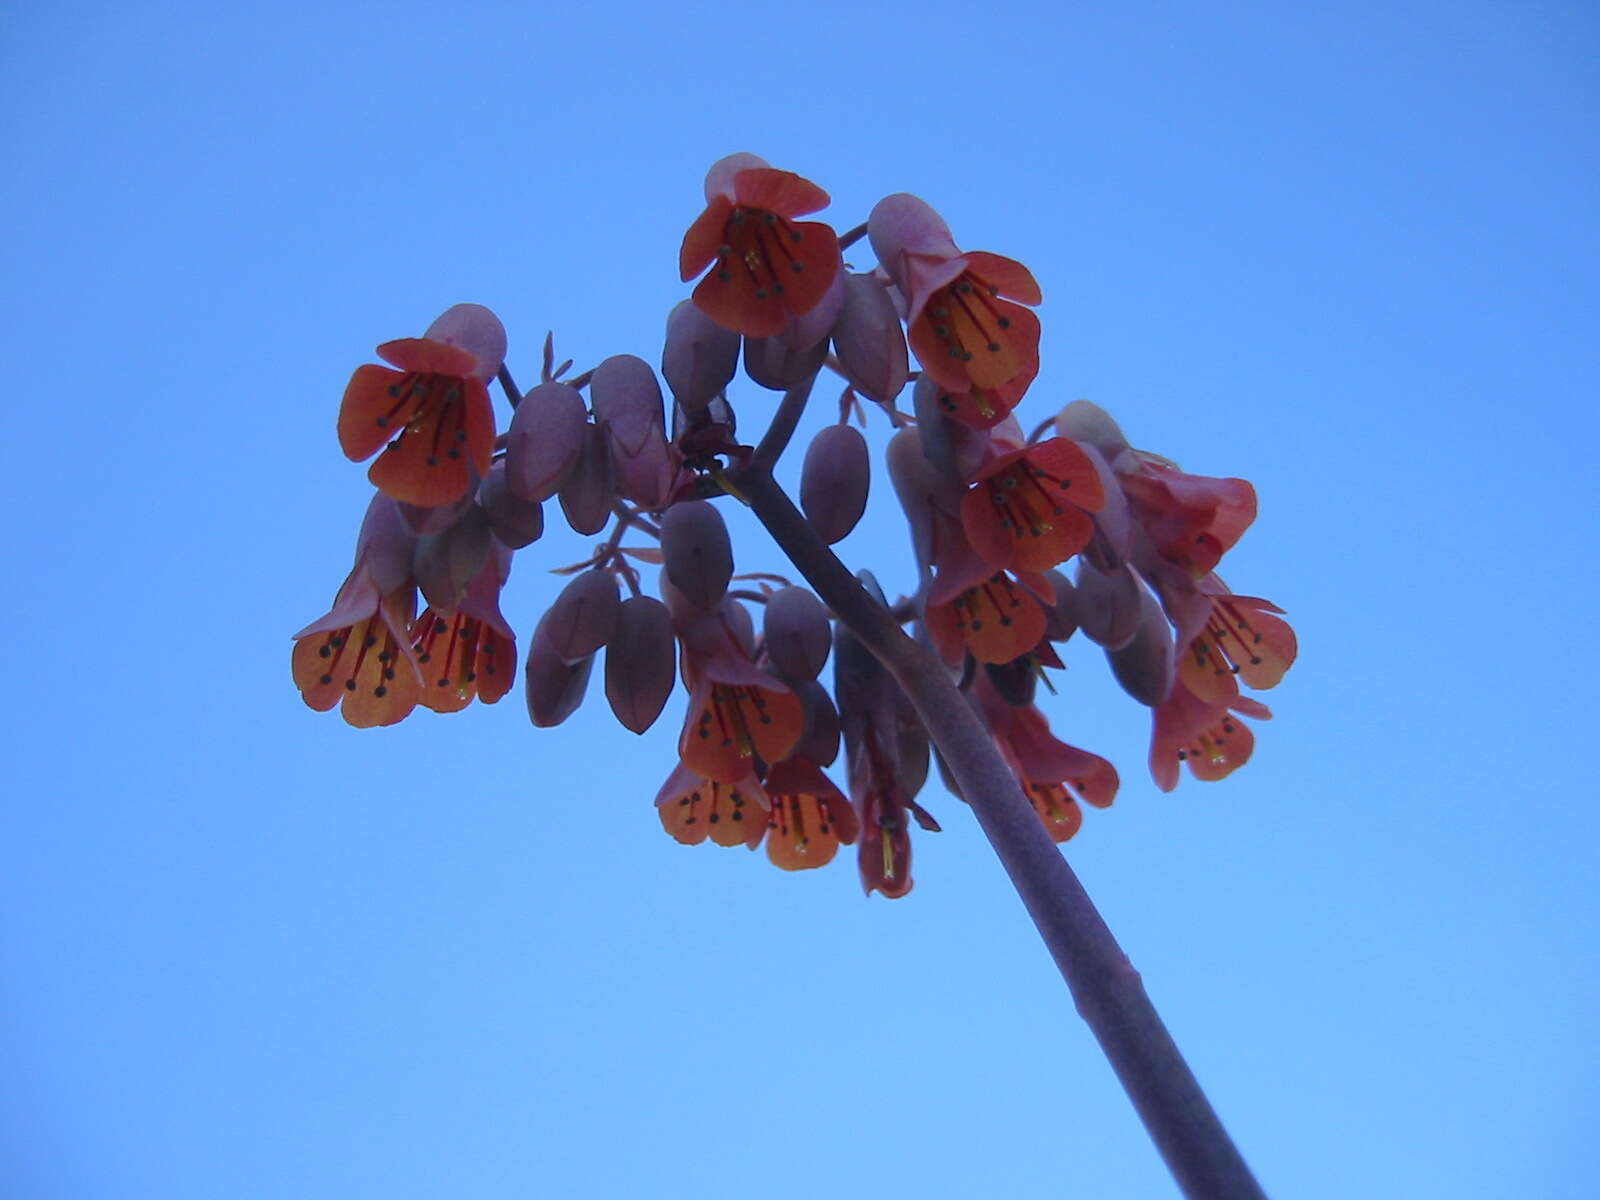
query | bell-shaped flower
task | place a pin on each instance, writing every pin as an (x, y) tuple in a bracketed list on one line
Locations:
[(834, 481), (515, 521), (1207, 737), (1054, 776), (808, 819), (696, 555), (435, 406), (587, 494), (469, 651), (693, 808), (868, 340), (699, 357), (641, 662), (1029, 509), (545, 439), (765, 266), (627, 406), (964, 327), (1241, 639), (1192, 520), (359, 655), (996, 620)]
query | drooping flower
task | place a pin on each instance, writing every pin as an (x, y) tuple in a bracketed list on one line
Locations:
[(998, 619), (1053, 775), (729, 812), (963, 325), (1029, 508), (470, 651), (809, 818), (1241, 639), (1207, 737), (359, 655), (765, 266), (435, 407)]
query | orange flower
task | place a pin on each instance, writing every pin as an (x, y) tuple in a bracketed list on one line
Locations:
[(998, 620), (1029, 508), (693, 808), (809, 819), (435, 407), (472, 651), (768, 268)]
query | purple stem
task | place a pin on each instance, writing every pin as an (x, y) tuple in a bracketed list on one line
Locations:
[(1105, 987)]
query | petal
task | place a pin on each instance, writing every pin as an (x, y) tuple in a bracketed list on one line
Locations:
[(445, 449), (428, 357), (704, 238), (781, 192)]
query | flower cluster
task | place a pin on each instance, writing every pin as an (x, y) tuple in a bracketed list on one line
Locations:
[(1022, 542)]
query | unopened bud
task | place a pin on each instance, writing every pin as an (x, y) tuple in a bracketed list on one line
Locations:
[(627, 405), (555, 688), (820, 742), (798, 634), (699, 357), (869, 341), (583, 617), (834, 481), (1091, 425), (587, 494), (544, 441), (774, 364), (476, 330), (1144, 666), (515, 521), (1061, 617), (640, 662), (1107, 605), (445, 563), (696, 554)]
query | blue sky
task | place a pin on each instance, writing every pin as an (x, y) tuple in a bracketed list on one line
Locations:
[(1348, 253)]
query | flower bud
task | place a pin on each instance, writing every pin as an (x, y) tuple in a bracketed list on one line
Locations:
[(696, 554), (820, 742), (699, 357), (1107, 605), (1091, 425), (544, 441), (798, 634), (869, 341), (773, 363), (1144, 666), (1061, 617), (627, 405), (587, 494), (554, 688), (476, 330), (834, 481), (515, 521), (640, 662), (583, 617), (445, 563), (434, 520)]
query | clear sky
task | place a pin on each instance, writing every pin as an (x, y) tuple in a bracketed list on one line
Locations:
[(1346, 251)]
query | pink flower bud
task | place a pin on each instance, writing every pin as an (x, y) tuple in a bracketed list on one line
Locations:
[(587, 494), (699, 357), (583, 617), (798, 634), (434, 520), (627, 405), (544, 441), (1144, 666), (445, 563), (385, 545), (834, 481), (1107, 605), (515, 521), (820, 742), (869, 341), (773, 363), (1091, 425), (555, 688), (1061, 617), (476, 330), (696, 554), (640, 662)]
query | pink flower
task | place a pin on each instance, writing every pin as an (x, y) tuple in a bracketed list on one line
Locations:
[(1029, 508)]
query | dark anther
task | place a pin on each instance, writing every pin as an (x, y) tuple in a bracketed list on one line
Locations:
[(349, 685), (326, 679)]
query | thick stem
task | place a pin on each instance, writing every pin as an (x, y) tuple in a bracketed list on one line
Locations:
[(1106, 989)]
